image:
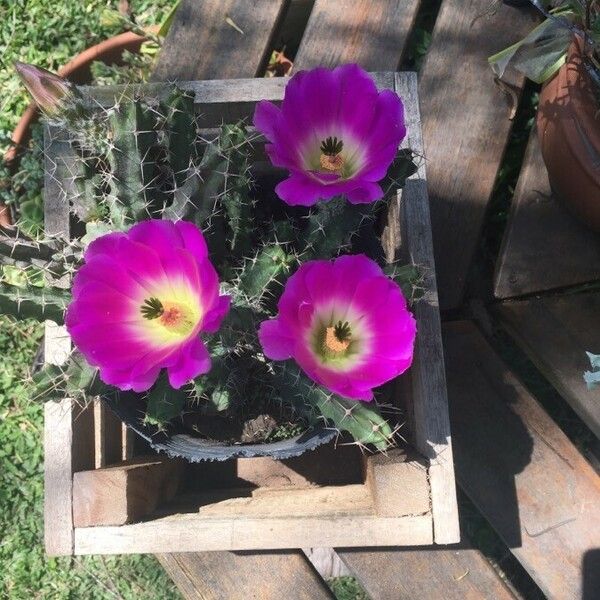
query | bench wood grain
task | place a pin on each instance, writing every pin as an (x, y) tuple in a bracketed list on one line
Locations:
[(555, 332), (544, 246), (519, 468), (465, 127)]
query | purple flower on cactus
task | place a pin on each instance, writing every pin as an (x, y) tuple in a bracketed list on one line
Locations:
[(140, 302), (345, 323), (49, 91), (335, 133)]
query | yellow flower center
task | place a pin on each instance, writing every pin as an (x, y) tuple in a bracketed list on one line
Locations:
[(336, 339), (178, 318), (170, 319), (332, 163), (333, 344)]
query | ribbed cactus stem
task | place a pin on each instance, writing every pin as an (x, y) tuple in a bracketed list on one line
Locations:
[(133, 128), (331, 227), (362, 420), (53, 257), (180, 132), (265, 271), (76, 380), (32, 302), (164, 403)]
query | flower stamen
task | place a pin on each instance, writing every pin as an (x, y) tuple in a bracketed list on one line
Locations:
[(331, 158), (337, 338), (152, 309)]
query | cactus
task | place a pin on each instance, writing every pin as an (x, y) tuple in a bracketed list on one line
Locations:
[(33, 302), (53, 257), (145, 157), (362, 421), (78, 380), (164, 403), (331, 228)]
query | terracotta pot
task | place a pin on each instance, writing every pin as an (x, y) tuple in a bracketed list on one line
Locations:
[(568, 124), (77, 70)]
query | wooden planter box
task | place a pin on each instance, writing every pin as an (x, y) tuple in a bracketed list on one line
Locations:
[(95, 475)]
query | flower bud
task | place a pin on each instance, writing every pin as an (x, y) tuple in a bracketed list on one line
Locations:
[(49, 91)]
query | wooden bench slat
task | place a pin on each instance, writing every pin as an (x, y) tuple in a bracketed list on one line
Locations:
[(519, 468), (372, 33), (406, 574), (544, 246), (427, 378), (243, 575), (556, 332), (465, 127), (204, 44), (201, 45)]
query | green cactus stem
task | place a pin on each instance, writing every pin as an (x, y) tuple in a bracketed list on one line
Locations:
[(164, 402), (32, 302), (362, 420), (77, 380), (331, 228), (133, 127), (52, 257)]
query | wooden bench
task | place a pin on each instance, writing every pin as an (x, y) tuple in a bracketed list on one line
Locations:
[(525, 477)]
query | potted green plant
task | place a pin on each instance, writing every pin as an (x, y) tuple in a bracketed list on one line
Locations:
[(563, 54), (126, 55), (217, 317)]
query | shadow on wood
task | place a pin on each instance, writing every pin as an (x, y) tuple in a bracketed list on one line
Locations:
[(519, 468)]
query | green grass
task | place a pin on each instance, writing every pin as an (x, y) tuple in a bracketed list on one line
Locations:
[(48, 33), (26, 571), (347, 588)]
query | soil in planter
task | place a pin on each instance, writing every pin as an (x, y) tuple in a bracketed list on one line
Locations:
[(257, 427)]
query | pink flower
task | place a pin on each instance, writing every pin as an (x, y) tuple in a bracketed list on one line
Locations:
[(345, 323), (335, 133), (140, 302)]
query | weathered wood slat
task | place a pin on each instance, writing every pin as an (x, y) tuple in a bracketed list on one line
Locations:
[(327, 562), (108, 434), (68, 428), (68, 446), (556, 332), (240, 575), (465, 127), (372, 33), (205, 41), (188, 532), (407, 574), (519, 468), (430, 407), (124, 493), (544, 246)]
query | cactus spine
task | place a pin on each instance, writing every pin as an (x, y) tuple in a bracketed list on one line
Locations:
[(145, 157)]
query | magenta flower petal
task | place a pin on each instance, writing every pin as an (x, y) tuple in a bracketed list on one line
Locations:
[(346, 325), (265, 115), (193, 360), (193, 239), (214, 318), (335, 133), (276, 340), (365, 194), (140, 302)]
